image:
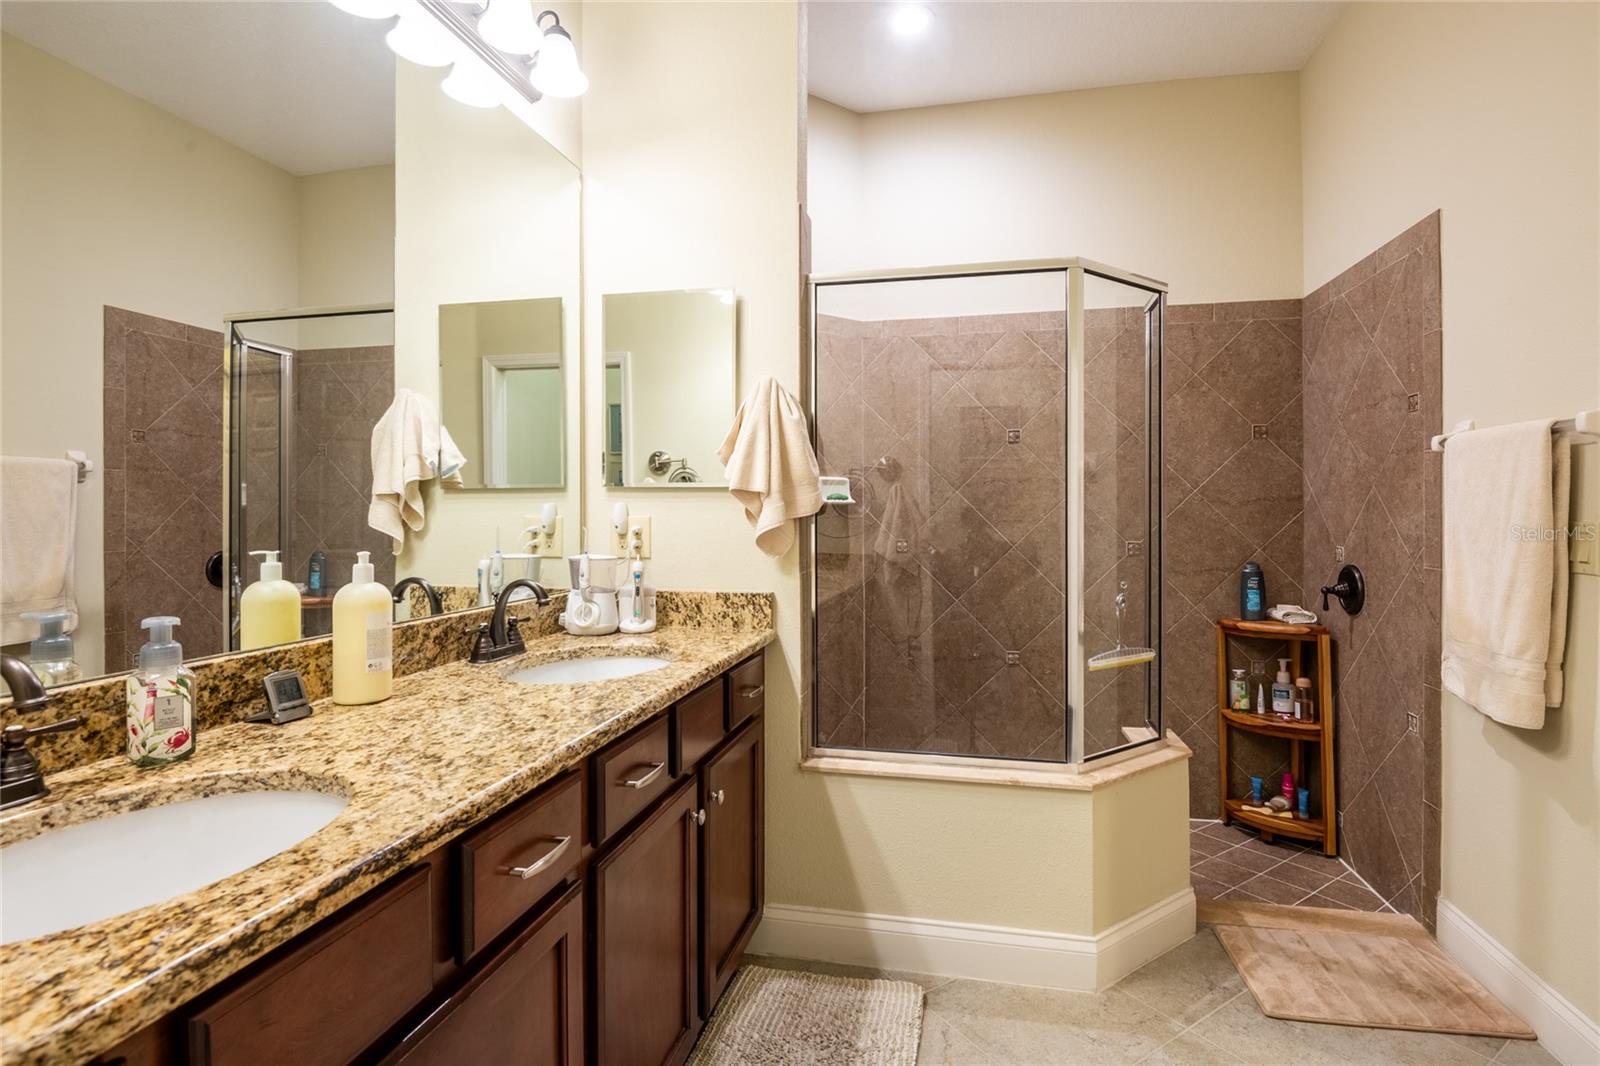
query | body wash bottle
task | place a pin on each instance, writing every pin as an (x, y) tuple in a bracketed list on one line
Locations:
[(363, 637), (269, 610), (160, 699)]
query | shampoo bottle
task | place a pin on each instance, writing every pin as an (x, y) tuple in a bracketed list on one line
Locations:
[(160, 699), (269, 610), (363, 637)]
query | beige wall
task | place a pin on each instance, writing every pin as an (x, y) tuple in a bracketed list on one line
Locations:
[(1489, 112), (1193, 182), (109, 200), (346, 253), (708, 199), (486, 210)]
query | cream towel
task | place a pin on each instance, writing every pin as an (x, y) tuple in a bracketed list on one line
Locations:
[(1504, 545), (409, 446), (772, 470), (38, 534)]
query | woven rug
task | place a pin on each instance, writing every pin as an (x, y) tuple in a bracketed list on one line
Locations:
[(792, 1018)]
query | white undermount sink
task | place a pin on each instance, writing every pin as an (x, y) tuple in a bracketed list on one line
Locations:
[(94, 870), (578, 671)]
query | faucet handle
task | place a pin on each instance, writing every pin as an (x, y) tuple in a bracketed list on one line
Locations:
[(17, 735)]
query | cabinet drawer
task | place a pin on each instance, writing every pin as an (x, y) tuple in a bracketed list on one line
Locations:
[(698, 723), (513, 862), (746, 691), (629, 776), (331, 997)]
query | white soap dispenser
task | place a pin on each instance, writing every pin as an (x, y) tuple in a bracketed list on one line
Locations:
[(363, 638), (269, 610)]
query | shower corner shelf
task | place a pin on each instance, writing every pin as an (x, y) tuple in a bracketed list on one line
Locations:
[(1322, 830)]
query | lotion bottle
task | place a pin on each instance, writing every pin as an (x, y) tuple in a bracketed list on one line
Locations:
[(363, 637), (269, 610), (1283, 692), (160, 699)]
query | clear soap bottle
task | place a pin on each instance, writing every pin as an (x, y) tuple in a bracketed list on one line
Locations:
[(51, 654), (161, 694)]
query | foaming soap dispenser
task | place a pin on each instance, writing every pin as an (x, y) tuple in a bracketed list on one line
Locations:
[(51, 654), (269, 610), (363, 637), (160, 699)]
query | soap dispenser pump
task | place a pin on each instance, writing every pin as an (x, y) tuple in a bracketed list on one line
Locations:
[(160, 699), (269, 610), (363, 637), (51, 654)]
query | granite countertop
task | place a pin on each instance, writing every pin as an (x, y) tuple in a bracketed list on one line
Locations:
[(451, 747)]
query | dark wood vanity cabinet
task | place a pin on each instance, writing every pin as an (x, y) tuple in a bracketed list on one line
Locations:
[(596, 920)]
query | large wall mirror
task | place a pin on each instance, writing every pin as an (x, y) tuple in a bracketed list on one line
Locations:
[(669, 389), (218, 278)]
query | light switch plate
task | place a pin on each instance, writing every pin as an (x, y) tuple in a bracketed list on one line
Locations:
[(550, 547), (1583, 549), (641, 522)]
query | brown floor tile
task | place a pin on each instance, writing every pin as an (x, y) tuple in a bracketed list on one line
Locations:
[(1317, 899), (1205, 888), (1252, 860), (1231, 833), (1224, 871), (1273, 890), (1199, 843), (1306, 878), (1352, 894)]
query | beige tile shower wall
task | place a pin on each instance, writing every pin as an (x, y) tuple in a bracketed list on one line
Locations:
[(1372, 401), (954, 557), (1232, 493)]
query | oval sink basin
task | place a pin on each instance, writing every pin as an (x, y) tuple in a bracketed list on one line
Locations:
[(578, 671), (94, 870)]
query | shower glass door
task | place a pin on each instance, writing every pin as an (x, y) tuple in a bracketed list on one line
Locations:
[(261, 416), (942, 591)]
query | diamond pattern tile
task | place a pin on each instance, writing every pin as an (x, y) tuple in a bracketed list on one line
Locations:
[(1014, 380)]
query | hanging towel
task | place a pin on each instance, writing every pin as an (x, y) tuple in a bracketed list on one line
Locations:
[(772, 470), (409, 446), (1505, 562), (901, 521), (38, 532)]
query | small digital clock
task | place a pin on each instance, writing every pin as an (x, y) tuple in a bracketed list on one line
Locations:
[(286, 698)]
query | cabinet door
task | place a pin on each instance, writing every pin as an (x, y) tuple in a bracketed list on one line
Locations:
[(645, 1008), (524, 1006), (730, 859)]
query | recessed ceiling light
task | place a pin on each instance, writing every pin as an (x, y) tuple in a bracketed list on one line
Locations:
[(908, 20)]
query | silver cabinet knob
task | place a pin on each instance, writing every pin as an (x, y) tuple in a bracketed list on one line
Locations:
[(700, 817), (718, 796)]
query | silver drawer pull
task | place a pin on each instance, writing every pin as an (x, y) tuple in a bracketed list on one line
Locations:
[(641, 782), (542, 862), (718, 797), (752, 693)]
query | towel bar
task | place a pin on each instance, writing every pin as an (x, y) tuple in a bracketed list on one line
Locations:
[(1584, 428), (85, 464)]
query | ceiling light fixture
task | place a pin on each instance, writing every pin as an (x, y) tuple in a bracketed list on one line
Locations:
[(369, 9), (509, 26), (470, 84), (421, 40), (908, 20), (555, 68)]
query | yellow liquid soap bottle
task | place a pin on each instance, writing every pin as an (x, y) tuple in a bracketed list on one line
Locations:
[(363, 637), (269, 610), (160, 699)]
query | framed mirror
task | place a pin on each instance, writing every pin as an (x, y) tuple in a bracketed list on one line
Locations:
[(669, 391), (501, 382), (216, 323)]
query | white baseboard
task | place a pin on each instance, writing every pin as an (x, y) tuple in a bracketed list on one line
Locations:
[(1564, 1030), (983, 952)]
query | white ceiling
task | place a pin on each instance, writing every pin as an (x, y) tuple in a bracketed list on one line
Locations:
[(984, 51), (300, 84)]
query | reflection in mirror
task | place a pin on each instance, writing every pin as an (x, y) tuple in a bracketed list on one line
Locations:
[(501, 379), (234, 187), (669, 385)]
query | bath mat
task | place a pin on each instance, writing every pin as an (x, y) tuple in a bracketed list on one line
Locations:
[(782, 1017), (1382, 971)]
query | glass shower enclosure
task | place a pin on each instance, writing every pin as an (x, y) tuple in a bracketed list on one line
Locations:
[(998, 431)]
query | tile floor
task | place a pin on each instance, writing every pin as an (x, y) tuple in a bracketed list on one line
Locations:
[(1229, 862), (1188, 1006)]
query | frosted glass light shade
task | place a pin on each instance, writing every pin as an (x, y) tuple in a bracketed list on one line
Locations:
[(470, 84), (421, 40), (508, 25), (368, 9), (555, 69)]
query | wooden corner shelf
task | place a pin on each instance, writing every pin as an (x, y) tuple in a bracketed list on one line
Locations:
[(1323, 829)]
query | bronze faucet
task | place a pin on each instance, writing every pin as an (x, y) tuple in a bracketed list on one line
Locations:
[(21, 780), (399, 592), (498, 638)]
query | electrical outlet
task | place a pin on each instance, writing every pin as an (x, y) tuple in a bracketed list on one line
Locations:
[(549, 547), (637, 524), (1583, 548)]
